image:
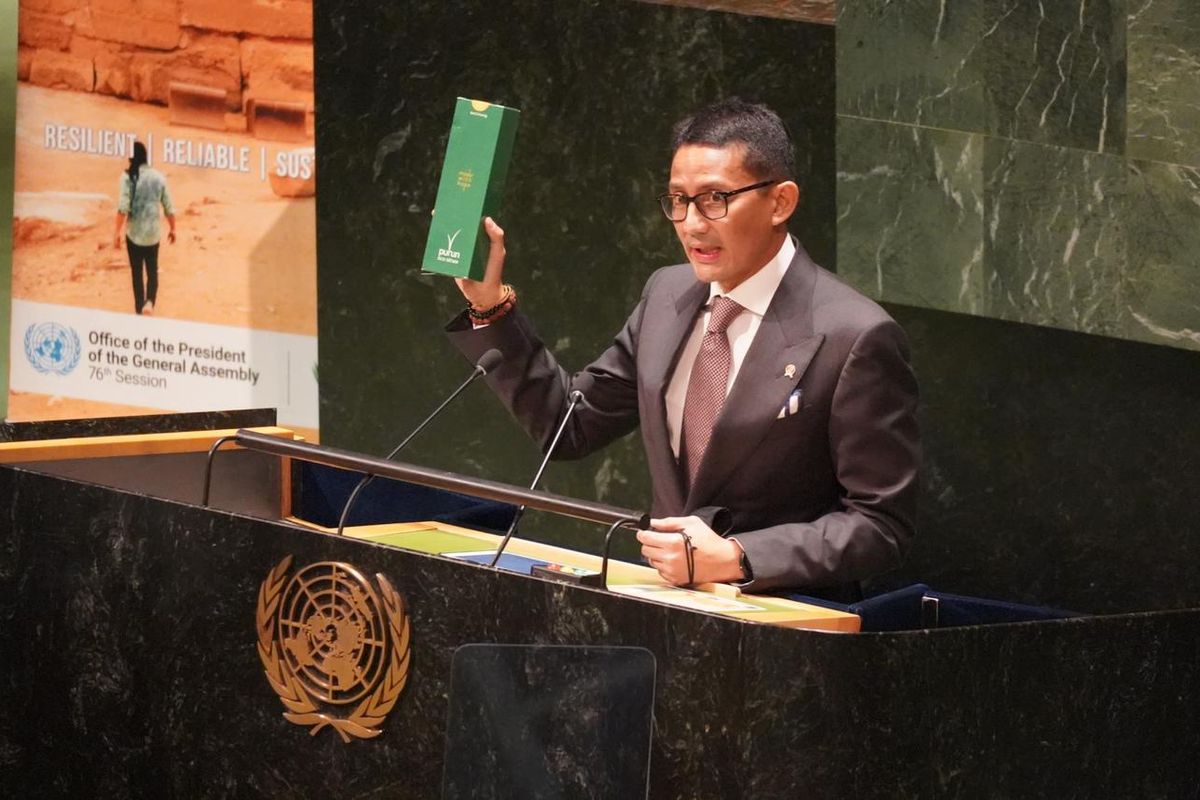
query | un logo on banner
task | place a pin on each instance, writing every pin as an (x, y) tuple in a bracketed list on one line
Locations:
[(51, 347)]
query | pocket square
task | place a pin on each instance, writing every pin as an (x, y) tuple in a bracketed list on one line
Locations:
[(792, 405)]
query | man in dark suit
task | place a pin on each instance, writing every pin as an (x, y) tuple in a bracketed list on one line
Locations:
[(762, 384)]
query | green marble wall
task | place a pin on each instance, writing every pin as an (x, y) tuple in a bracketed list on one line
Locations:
[(1016, 161), (1164, 89), (1027, 161), (599, 84)]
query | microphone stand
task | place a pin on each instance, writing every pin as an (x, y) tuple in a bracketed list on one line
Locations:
[(482, 367), (576, 398)]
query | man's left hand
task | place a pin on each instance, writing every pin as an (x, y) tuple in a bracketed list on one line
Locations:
[(717, 560)]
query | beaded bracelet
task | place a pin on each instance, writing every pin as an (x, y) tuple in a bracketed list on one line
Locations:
[(507, 301)]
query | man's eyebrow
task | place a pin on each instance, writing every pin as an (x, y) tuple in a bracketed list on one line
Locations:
[(706, 186)]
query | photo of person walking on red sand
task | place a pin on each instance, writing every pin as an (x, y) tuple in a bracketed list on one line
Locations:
[(143, 191)]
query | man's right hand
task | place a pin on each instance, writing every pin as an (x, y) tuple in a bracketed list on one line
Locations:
[(488, 292)]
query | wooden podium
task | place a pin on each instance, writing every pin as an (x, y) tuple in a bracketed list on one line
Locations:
[(156, 647)]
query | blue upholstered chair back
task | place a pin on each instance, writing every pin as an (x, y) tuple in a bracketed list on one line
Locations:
[(917, 606), (322, 491)]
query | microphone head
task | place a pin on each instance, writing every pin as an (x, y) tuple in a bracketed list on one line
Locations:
[(489, 361), (576, 396)]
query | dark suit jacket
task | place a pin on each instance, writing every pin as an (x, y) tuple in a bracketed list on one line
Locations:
[(823, 497)]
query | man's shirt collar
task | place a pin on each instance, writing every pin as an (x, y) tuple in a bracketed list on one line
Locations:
[(755, 293)]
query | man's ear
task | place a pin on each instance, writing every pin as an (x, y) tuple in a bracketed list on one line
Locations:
[(787, 198)]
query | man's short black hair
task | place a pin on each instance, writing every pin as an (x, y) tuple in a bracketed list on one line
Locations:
[(768, 146)]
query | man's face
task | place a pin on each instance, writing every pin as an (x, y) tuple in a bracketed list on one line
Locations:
[(730, 249)]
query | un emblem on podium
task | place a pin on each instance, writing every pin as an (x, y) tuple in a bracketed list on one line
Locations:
[(330, 643)]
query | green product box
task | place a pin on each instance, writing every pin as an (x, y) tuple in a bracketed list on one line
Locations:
[(471, 187)]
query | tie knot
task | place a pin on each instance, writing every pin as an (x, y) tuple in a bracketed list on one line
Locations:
[(724, 311)]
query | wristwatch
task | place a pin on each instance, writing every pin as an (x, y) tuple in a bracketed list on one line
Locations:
[(744, 563), (747, 573)]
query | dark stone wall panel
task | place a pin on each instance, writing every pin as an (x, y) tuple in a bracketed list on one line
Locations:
[(910, 214), (1055, 244), (1163, 231), (1058, 467), (1164, 93), (1052, 73), (917, 62), (1080, 232), (1055, 72)]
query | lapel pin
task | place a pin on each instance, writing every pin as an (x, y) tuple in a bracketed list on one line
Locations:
[(789, 371)]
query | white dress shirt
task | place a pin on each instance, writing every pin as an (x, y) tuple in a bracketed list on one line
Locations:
[(754, 295)]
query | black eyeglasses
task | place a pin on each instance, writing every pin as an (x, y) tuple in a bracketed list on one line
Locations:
[(711, 205)]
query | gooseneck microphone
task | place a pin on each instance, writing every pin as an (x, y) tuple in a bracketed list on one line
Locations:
[(576, 398), (486, 363)]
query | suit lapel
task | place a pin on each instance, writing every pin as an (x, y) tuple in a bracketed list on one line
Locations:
[(665, 328), (763, 383)]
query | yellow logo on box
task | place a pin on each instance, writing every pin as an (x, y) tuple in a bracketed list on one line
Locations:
[(465, 178)]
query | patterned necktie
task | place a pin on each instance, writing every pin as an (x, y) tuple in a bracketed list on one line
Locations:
[(706, 385)]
